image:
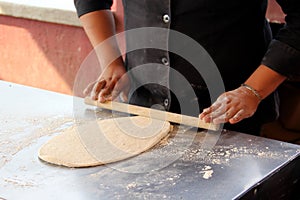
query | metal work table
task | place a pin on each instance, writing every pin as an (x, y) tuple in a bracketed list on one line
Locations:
[(182, 167)]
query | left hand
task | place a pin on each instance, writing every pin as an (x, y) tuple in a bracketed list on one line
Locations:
[(232, 107), (112, 82)]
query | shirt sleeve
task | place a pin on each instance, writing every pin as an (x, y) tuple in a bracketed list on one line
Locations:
[(86, 6), (283, 54)]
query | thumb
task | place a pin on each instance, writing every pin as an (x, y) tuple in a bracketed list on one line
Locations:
[(124, 94), (122, 88)]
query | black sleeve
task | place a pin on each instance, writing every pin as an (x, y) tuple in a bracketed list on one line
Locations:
[(283, 54), (86, 6)]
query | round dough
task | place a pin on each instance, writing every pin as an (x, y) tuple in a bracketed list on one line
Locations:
[(104, 141)]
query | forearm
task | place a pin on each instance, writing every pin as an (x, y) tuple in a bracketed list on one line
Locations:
[(100, 29), (98, 25), (112, 81), (264, 80)]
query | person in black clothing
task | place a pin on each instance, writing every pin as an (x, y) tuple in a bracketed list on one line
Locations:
[(236, 35)]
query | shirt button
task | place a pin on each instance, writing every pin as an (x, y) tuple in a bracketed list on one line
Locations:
[(165, 61), (166, 18), (166, 102)]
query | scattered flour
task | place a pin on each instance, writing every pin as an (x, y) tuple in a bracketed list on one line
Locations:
[(207, 172)]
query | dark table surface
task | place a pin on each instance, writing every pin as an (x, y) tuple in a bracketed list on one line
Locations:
[(189, 165)]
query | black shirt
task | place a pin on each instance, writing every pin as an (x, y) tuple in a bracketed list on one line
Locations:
[(235, 34), (283, 54)]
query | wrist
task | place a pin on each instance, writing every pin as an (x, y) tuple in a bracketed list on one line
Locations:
[(264, 80), (253, 91)]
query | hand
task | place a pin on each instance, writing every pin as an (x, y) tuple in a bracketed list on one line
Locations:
[(112, 82), (232, 107)]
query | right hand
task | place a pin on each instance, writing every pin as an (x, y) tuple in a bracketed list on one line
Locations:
[(112, 82), (232, 106)]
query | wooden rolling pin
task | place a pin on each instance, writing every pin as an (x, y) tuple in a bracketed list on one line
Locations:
[(153, 113)]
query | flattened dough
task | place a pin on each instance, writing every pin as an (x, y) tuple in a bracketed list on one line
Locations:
[(104, 141)]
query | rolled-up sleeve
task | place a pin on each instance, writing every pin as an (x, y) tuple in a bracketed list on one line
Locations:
[(86, 6), (283, 54)]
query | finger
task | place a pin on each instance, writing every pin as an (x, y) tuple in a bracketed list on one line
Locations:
[(207, 111), (224, 117), (125, 93), (122, 87), (124, 97), (205, 115), (217, 111), (97, 88), (222, 109), (222, 100), (117, 89), (89, 88), (219, 108), (106, 93), (237, 117)]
